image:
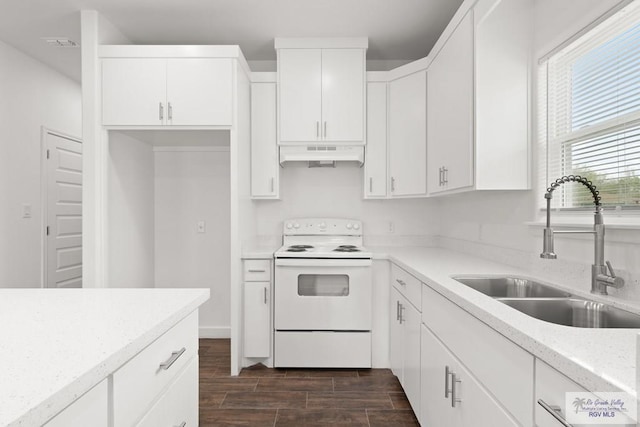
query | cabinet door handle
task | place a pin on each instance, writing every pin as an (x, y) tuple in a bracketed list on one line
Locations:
[(393, 184), (401, 316), (169, 111), (161, 112), (256, 270), (402, 282), (440, 177), (174, 356), (555, 411), (182, 424), (325, 130), (447, 390), (317, 130), (370, 185), (398, 310), (265, 294), (272, 184), (454, 390), (445, 176)]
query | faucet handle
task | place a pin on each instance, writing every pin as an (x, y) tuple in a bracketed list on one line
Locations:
[(613, 273)]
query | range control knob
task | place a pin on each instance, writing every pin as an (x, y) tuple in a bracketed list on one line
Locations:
[(296, 225), (322, 225), (289, 226), (356, 226), (349, 226)]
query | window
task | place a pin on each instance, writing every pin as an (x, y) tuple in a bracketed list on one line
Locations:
[(590, 114)]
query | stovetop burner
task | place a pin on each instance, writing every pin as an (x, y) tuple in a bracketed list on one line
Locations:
[(301, 246), (345, 249), (292, 249), (348, 247)]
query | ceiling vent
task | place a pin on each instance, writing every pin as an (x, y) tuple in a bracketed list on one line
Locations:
[(60, 42)]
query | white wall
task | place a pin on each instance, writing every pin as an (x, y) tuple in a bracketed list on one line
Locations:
[(130, 233), (492, 224), (193, 186), (329, 192), (33, 95)]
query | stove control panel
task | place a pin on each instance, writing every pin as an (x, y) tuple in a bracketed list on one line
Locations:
[(318, 226)]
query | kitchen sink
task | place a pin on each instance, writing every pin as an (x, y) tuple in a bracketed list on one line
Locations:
[(575, 312), (511, 287)]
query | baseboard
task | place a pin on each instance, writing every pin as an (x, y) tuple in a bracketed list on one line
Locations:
[(215, 332)]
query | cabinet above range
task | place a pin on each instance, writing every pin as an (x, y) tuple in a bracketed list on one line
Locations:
[(321, 91)]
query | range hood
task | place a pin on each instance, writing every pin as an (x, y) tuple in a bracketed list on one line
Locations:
[(323, 154)]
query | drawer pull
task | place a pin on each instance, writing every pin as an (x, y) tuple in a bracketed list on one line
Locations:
[(402, 282), (454, 391), (555, 411), (182, 424), (447, 390), (174, 356), (255, 270)]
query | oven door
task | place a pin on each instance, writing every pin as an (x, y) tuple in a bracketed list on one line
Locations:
[(323, 294)]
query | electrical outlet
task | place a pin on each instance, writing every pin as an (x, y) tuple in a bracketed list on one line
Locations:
[(26, 211), (392, 227), (202, 227)]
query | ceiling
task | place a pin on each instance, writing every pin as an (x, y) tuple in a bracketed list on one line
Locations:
[(397, 29)]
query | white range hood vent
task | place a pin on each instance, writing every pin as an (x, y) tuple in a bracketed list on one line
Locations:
[(322, 154)]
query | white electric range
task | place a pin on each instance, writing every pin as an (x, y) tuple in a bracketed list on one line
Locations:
[(322, 295)]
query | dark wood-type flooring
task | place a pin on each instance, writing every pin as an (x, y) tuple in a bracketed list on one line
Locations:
[(260, 396)]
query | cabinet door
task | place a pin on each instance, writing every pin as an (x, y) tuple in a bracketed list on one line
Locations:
[(92, 409), (343, 85), (434, 399), (134, 91), (395, 334), (375, 167), (257, 325), (199, 92), (300, 92), (450, 110), (264, 149), (411, 348), (408, 135)]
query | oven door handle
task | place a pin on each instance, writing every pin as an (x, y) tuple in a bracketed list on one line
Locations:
[(323, 262)]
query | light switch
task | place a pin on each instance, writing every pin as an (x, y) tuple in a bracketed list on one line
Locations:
[(26, 211), (202, 227)]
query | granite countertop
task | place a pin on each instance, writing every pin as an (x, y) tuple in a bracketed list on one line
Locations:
[(597, 359), (59, 343)]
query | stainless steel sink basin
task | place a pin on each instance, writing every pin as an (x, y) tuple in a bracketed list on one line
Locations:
[(511, 287), (576, 312)]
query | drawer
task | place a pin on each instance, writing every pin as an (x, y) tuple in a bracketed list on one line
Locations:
[(139, 382), (408, 285), (257, 270), (498, 364), (179, 404), (91, 409)]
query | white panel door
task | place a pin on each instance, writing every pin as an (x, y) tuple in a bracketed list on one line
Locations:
[(257, 325), (64, 212), (300, 90), (265, 168), (411, 348), (134, 91), (408, 135), (450, 121), (434, 398), (200, 92), (375, 166), (343, 86), (396, 335)]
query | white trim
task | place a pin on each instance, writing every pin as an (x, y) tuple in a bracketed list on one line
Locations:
[(377, 76), (321, 43), (264, 77), (168, 51), (167, 127), (191, 149), (214, 332)]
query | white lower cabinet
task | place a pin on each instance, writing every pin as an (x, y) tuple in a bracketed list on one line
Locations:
[(257, 328), (175, 408), (451, 396), (89, 410)]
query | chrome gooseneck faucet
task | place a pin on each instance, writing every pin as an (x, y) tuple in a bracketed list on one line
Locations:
[(602, 274)]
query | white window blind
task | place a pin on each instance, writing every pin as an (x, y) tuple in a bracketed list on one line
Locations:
[(590, 114)]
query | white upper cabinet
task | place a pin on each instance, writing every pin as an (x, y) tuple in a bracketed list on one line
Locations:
[(375, 168), (159, 91), (134, 91), (408, 135), (321, 91), (450, 112), (265, 169), (478, 101), (199, 91)]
